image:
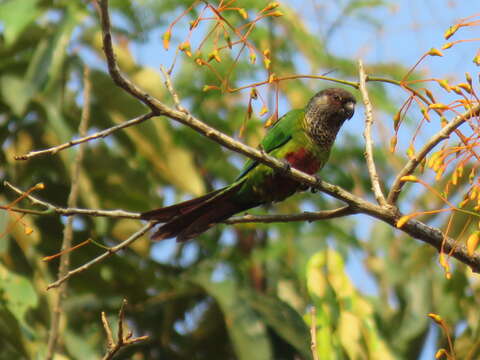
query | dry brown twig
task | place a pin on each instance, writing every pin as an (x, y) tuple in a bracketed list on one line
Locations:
[(112, 250), (50, 208), (372, 170), (122, 340), (56, 311), (97, 135)]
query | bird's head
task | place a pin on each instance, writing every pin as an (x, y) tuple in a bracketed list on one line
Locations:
[(331, 105)]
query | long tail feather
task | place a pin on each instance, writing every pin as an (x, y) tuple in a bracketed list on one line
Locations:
[(202, 216), (169, 212)]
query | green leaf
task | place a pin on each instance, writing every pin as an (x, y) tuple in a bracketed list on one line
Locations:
[(16, 93), (247, 332), (47, 63), (11, 343), (283, 319), (16, 15), (18, 293)]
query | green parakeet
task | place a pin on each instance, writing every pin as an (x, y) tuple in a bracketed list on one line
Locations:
[(302, 138)]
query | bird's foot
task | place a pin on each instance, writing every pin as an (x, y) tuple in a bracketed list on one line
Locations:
[(286, 167), (314, 190)]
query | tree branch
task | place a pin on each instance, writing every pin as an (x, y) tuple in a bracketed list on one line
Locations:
[(50, 208), (372, 170), (100, 134), (122, 341), (103, 256), (56, 312), (305, 216)]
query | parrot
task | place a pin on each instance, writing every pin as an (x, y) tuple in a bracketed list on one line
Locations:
[(302, 139)]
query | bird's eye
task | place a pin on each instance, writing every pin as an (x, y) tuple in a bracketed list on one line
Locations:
[(336, 97)]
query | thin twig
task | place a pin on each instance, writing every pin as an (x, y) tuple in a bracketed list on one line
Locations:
[(68, 229), (50, 208), (372, 170), (171, 90), (108, 331), (305, 216), (122, 341), (415, 160), (100, 134), (103, 256), (313, 333)]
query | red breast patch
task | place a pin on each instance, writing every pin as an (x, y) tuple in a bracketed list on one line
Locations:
[(303, 160)]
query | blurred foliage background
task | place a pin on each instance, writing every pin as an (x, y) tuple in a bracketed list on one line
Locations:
[(238, 292)]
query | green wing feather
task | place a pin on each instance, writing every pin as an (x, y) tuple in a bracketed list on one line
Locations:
[(278, 135)]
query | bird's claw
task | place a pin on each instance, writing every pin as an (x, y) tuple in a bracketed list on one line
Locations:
[(314, 190), (286, 167)]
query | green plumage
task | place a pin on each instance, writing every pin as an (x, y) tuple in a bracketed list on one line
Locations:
[(302, 138)]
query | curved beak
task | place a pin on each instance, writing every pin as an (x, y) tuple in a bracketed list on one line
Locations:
[(349, 109)]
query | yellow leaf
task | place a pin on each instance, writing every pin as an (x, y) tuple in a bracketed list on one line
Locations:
[(456, 89), (425, 114), (468, 77), (409, 178), (463, 202), (267, 62), (435, 52), (466, 87), (447, 46), (438, 106), (444, 84), (476, 59), (166, 39), (393, 144), (440, 353), (450, 31), (253, 57), (473, 194), (411, 151), (443, 121), (275, 13), (243, 13), (263, 111), (210, 87), (430, 95), (435, 317), (402, 221), (472, 242), (396, 120), (272, 5), (185, 47), (214, 55)]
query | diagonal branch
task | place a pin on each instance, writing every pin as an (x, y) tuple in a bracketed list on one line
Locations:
[(56, 312), (372, 170), (412, 164), (50, 208), (305, 216), (100, 134), (103, 256)]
